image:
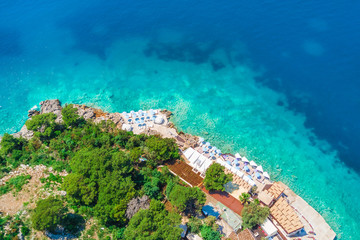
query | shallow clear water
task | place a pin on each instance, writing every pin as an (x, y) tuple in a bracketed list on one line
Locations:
[(277, 82)]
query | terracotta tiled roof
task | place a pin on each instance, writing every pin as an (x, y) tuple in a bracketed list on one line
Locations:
[(276, 190), (245, 235), (265, 197), (286, 216)]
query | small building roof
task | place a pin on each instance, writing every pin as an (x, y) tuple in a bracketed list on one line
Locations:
[(286, 216), (276, 189), (229, 216), (266, 175), (192, 236), (269, 227), (237, 155), (246, 234), (184, 228), (265, 197)]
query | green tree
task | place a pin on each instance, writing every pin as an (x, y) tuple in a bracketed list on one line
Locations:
[(187, 199), (44, 126), (70, 116), (195, 224), (135, 153), (244, 198), (161, 149), (48, 214), (210, 221), (80, 189), (208, 233), (215, 177), (154, 223), (10, 143), (253, 214)]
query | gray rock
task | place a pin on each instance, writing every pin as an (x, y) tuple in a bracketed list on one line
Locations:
[(52, 106), (85, 112), (33, 113), (24, 132)]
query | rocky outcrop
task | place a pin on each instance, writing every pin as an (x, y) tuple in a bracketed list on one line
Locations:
[(32, 112), (85, 112), (52, 106), (24, 132), (167, 113)]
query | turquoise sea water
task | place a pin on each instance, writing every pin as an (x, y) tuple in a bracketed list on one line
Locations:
[(117, 61)]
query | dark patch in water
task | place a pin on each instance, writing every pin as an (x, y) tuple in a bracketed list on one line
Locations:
[(9, 43), (217, 65), (180, 51)]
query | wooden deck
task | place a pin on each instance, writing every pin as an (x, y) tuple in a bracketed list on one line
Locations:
[(185, 172)]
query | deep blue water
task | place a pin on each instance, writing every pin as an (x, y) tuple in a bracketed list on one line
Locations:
[(309, 51)]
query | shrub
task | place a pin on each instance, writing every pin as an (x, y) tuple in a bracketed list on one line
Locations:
[(48, 214), (215, 177)]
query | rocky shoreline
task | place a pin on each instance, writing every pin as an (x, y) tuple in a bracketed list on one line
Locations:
[(184, 141)]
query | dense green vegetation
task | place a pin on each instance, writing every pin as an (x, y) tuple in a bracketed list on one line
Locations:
[(104, 175), (253, 214), (215, 178), (47, 214), (154, 223), (186, 199), (15, 183), (206, 227)]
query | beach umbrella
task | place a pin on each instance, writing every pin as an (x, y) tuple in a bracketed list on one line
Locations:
[(211, 154), (140, 112), (236, 162), (266, 175), (246, 168), (141, 121), (244, 159), (129, 120), (124, 113), (126, 127), (201, 139), (207, 144), (259, 169), (142, 118), (126, 116), (258, 175), (159, 120), (151, 112), (137, 119), (132, 111), (237, 155), (218, 151), (214, 149), (249, 177), (147, 118), (228, 162), (237, 168), (204, 149), (253, 164)]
